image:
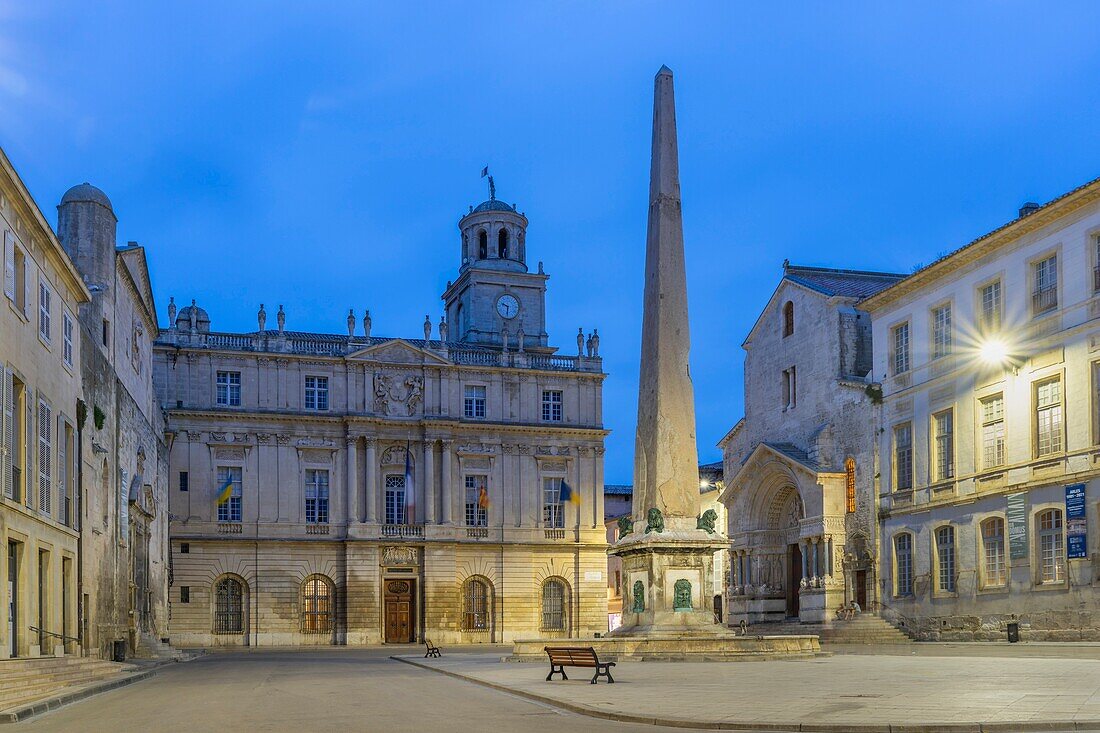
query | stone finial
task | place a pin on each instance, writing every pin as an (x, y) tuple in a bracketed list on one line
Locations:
[(171, 312), (541, 271), (351, 322), (427, 328), (580, 341), (595, 342), (193, 316), (280, 318), (443, 328), (588, 345), (261, 318), (366, 324)]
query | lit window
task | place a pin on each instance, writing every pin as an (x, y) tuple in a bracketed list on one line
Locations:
[(230, 509), (903, 456), (850, 484), (945, 558), (943, 430), (941, 331), (991, 307), (318, 605), (475, 513), (993, 431), (1044, 296), (316, 496), (395, 499), (316, 393), (553, 605), (903, 558), (1048, 417), (993, 551), (551, 405), (475, 616), (1052, 555), (473, 404), (901, 348), (229, 389)]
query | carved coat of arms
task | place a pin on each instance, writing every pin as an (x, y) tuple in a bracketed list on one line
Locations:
[(396, 395)]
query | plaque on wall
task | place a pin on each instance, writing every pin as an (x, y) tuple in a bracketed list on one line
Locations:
[(399, 556)]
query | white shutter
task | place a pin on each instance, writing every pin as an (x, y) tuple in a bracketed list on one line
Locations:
[(45, 459), (28, 288), (62, 474), (8, 433), (9, 264), (29, 439)]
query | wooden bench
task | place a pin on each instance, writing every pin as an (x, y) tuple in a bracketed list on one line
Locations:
[(577, 656), (432, 649)]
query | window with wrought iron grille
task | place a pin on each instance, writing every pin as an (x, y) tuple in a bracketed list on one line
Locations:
[(553, 605), (228, 606), (553, 513), (316, 393), (473, 403), (901, 348), (316, 496), (943, 432), (229, 389), (991, 307), (45, 458), (44, 298), (945, 558), (903, 456), (1044, 295), (1048, 417), (993, 431), (850, 484), (476, 514), (475, 612), (67, 337), (942, 339), (994, 571), (230, 509), (551, 405), (395, 498), (903, 561), (1052, 552), (318, 605)]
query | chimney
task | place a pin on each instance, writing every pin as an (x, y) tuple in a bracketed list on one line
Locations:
[(1028, 209)]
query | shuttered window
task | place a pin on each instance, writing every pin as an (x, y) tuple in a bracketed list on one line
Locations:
[(45, 458)]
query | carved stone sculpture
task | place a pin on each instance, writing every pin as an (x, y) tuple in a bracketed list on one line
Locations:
[(381, 393), (443, 328), (351, 322), (519, 339), (681, 595), (280, 318), (626, 525), (415, 393), (580, 342), (427, 328), (588, 345), (504, 338), (655, 521), (366, 324), (595, 342), (194, 316), (639, 597), (171, 313), (707, 520), (261, 318)]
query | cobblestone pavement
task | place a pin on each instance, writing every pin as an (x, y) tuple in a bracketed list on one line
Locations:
[(331, 690), (925, 688)]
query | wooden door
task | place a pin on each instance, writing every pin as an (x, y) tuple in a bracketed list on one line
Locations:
[(398, 612), (861, 589)]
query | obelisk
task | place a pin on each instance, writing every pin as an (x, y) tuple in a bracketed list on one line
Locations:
[(667, 551)]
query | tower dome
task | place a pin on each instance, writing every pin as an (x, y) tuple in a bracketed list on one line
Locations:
[(494, 237), (202, 318), (86, 193)]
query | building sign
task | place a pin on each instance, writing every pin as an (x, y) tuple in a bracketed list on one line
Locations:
[(1017, 526), (1076, 522)]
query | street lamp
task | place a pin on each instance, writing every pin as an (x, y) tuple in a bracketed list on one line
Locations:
[(993, 352)]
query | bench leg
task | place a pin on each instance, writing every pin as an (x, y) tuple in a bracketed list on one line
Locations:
[(603, 670), (556, 669)]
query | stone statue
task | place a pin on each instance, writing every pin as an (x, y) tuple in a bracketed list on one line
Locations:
[(707, 520), (171, 313), (595, 342), (443, 328), (519, 339), (626, 525), (351, 322), (427, 328), (193, 316), (681, 595), (415, 387), (639, 597), (504, 338), (655, 521), (280, 318), (261, 318), (366, 324), (381, 393), (580, 342), (588, 345)]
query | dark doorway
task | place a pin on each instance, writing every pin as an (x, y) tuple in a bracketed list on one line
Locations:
[(861, 589), (13, 597), (794, 579), (398, 608)]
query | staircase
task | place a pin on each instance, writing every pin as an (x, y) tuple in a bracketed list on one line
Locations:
[(24, 681), (150, 647), (865, 628)]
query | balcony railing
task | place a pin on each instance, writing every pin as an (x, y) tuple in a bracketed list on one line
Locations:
[(1044, 299), (555, 534), (477, 532), (316, 529), (230, 527), (402, 530)]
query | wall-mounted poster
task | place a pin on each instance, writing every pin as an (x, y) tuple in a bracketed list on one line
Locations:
[(1076, 522), (1017, 526)]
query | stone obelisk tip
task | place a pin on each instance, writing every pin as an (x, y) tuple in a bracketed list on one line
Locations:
[(664, 71)]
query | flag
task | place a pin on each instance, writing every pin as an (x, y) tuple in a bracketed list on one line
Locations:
[(483, 498), (568, 494), (225, 492), (410, 490), (485, 171)]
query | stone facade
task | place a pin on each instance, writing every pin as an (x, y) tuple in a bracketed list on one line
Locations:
[(989, 363), (292, 452), (40, 351), (799, 467)]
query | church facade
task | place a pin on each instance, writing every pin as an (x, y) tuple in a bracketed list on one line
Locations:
[(357, 489)]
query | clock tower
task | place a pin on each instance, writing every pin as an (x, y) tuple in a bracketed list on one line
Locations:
[(495, 292)]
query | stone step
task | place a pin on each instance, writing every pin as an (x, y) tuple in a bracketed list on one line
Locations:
[(27, 680)]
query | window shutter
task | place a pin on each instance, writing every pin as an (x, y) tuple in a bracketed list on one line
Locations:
[(29, 300), (62, 471), (8, 430), (29, 439), (9, 264), (45, 459)]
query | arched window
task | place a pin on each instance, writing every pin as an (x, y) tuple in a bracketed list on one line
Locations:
[(475, 605), (903, 562), (993, 552), (318, 605), (554, 605), (502, 244), (482, 245), (788, 319), (850, 483), (945, 558), (228, 606), (1052, 552)]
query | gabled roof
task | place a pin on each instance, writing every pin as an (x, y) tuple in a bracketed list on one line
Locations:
[(136, 267), (857, 284), (788, 450)]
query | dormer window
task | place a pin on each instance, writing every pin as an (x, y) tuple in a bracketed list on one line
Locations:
[(502, 244), (788, 319), (482, 245)]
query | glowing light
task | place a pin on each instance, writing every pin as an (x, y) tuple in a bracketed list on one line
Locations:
[(994, 352)]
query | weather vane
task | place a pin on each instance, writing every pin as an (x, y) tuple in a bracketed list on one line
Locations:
[(492, 186)]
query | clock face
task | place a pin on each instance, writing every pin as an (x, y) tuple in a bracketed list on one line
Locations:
[(507, 306)]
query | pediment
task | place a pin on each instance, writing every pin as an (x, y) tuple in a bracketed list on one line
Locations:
[(397, 351), (770, 459)]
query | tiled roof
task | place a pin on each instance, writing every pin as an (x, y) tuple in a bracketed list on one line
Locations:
[(618, 489), (790, 451), (845, 283)]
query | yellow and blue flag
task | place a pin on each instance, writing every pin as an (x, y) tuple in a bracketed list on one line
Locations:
[(225, 492), (568, 494)]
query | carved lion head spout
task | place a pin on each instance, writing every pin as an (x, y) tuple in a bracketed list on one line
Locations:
[(655, 521)]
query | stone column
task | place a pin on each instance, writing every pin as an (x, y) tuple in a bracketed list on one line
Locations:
[(372, 481), (817, 557), (446, 482), (748, 567), (355, 509), (429, 482), (804, 545)]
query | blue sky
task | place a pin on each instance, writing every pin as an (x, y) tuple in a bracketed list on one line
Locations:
[(319, 155)]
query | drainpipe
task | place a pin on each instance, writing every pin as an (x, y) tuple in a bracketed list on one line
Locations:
[(82, 620)]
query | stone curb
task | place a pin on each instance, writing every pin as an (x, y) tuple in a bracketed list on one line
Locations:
[(1005, 727), (95, 688)]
